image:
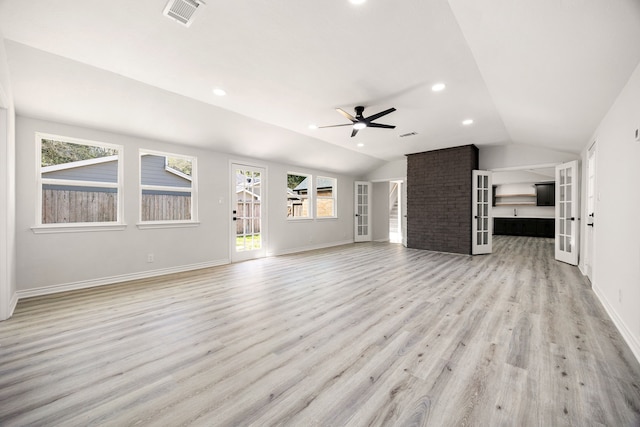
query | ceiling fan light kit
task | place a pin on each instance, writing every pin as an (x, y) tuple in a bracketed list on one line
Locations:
[(360, 122)]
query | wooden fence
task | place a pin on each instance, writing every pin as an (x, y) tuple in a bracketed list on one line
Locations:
[(164, 207), (63, 206), (68, 206)]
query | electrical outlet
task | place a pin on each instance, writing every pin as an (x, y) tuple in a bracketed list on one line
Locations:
[(150, 258)]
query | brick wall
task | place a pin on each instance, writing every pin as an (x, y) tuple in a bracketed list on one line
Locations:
[(439, 199)]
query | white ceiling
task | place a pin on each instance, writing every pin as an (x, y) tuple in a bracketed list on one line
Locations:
[(541, 73)]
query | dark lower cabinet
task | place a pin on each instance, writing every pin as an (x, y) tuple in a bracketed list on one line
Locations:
[(533, 227)]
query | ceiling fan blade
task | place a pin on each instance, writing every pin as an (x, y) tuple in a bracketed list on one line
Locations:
[(347, 115), (380, 125), (335, 126), (354, 133), (383, 113)]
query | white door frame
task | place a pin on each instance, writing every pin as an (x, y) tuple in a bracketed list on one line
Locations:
[(362, 211), (481, 215), (567, 239), (245, 254), (590, 209), (403, 217)]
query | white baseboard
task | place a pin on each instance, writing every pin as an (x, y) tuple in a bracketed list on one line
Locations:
[(627, 335), (309, 248), (83, 284)]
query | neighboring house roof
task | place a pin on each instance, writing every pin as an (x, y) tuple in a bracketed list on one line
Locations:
[(321, 184), (78, 164)]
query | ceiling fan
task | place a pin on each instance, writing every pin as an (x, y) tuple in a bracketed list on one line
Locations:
[(360, 122)]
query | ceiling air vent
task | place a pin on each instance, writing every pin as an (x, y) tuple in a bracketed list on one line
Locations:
[(183, 11), (404, 135)]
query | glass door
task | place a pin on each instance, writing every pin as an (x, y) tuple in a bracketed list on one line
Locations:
[(482, 223), (363, 209), (566, 213), (247, 204)]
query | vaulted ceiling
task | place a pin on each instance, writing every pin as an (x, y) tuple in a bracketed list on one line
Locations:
[(540, 73)]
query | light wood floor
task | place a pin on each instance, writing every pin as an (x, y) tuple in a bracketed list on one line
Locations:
[(366, 334)]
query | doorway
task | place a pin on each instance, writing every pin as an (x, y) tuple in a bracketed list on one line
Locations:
[(396, 211), (248, 204), (591, 209)]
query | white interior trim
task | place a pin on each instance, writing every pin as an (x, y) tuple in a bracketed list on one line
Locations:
[(46, 290)]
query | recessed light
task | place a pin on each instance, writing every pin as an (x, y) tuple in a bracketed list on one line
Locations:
[(360, 144), (359, 126), (438, 87), (357, 1), (467, 122), (219, 92), (313, 127)]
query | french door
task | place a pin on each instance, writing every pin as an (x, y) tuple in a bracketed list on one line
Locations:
[(248, 187), (481, 221), (567, 206), (362, 221), (403, 218)]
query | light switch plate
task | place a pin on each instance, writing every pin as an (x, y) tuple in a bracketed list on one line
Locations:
[(637, 135)]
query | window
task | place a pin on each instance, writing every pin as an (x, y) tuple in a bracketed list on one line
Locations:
[(167, 187), (326, 197), (79, 182), (298, 202)]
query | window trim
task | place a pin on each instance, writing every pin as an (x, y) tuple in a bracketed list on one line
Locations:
[(119, 224), (309, 197), (334, 197), (179, 223)]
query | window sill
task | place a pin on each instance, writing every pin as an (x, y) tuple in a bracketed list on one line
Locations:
[(326, 217), (76, 228), (151, 225), (297, 219)]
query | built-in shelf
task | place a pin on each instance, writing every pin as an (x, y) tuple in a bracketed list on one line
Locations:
[(516, 204), (515, 199)]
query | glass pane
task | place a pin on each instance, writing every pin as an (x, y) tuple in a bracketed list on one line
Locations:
[(567, 227), (485, 225), (479, 241), (165, 206), (561, 231), (479, 196), (486, 210), (561, 210), (70, 204), (562, 198), (479, 223), (568, 193), (486, 195), (568, 175), (365, 230), (568, 208), (486, 181), (479, 181), (562, 179), (568, 245), (485, 238), (561, 243)]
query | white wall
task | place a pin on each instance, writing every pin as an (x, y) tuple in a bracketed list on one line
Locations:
[(513, 155), (7, 192), (52, 262), (380, 211), (616, 263), (391, 171)]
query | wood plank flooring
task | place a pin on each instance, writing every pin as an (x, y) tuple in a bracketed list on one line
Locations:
[(359, 335)]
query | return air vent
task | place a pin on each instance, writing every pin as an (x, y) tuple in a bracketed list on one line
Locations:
[(183, 11), (408, 134)]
